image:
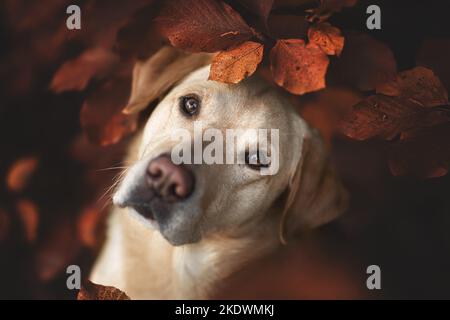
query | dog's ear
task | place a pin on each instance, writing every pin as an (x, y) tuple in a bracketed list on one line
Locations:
[(315, 195), (156, 75)]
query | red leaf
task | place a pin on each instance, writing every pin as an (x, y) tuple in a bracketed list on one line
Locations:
[(418, 85), (29, 214), (202, 25), (92, 291), (88, 226), (75, 74), (101, 115), (298, 67), (414, 94), (364, 63), (233, 65), (20, 173), (387, 117), (327, 37)]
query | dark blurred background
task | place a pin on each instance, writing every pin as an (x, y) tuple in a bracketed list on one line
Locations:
[(52, 177)]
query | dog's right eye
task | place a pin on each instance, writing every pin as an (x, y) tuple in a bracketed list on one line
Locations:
[(190, 105)]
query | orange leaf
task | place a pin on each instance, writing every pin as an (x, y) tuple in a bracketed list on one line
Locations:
[(92, 291), (415, 99), (29, 215), (298, 67), (233, 65), (419, 85), (87, 225), (20, 173), (327, 37), (202, 25), (75, 74)]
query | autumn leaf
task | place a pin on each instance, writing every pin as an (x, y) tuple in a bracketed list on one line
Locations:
[(416, 99), (92, 291), (327, 37), (202, 25), (101, 115), (387, 117), (298, 67), (233, 65), (20, 173), (88, 226), (364, 63), (75, 74), (29, 215), (419, 85)]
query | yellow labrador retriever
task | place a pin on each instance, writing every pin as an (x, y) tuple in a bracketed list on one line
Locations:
[(179, 230)]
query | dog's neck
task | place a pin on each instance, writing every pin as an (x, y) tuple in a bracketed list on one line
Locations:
[(148, 267)]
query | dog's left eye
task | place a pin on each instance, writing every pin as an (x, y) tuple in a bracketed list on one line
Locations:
[(256, 160), (190, 105)]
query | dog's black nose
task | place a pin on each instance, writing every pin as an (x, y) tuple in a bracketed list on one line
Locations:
[(169, 181)]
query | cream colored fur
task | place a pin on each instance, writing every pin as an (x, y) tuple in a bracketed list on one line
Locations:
[(243, 215)]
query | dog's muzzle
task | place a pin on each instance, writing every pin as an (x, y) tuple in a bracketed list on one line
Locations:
[(161, 184)]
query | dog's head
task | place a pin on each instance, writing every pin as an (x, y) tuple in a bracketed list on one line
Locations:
[(285, 181)]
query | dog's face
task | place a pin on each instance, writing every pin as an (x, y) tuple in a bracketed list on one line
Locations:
[(187, 202)]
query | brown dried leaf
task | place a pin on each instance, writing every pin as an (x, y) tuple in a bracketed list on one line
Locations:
[(75, 74), (234, 65), (387, 117), (298, 67), (365, 63), (92, 291), (101, 115), (327, 37), (202, 25), (20, 172), (415, 99), (88, 226), (29, 215), (418, 85)]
